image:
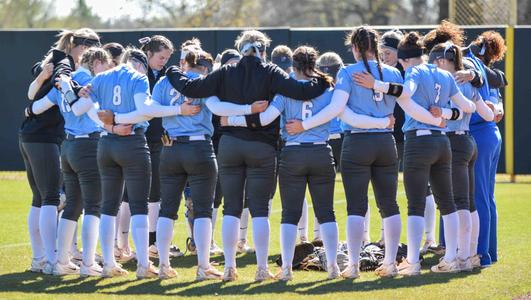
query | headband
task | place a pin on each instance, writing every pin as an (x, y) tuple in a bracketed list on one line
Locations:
[(331, 70), (444, 53), (390, 42), (144, 40), (409, 53), (283, 61), (257, 46), (140, 57), (205, 63), (227, 56), (77, 40)]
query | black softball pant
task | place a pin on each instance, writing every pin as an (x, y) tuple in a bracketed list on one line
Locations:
[(124, 158), (464, 155), (81, 177), (370, 157), (43, 171), (250, 166), (428, 157), (193, 162), (311, 165)]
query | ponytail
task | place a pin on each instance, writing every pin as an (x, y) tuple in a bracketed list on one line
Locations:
[(305, 61)]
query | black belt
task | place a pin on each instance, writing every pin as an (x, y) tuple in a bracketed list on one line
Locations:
[(193, 138)]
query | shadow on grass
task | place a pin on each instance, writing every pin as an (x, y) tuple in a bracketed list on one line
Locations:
[(27, 282)]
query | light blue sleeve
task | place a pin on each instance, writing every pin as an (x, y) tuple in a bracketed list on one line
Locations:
[(158, 93), (141, 86), (343, 81), (413, 75), (279, 102), (53, 96), (94, 94), (453, 86)]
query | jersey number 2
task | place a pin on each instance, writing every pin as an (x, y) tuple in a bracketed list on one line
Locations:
[(306, 110), (117, 95)]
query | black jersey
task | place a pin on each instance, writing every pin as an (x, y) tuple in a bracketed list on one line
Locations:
[(155, 130)]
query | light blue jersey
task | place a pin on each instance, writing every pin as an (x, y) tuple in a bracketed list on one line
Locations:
[(471, 93), (115, 90), (74, 125), (335, 126), (200, 124), (434, 88), (365, 101), (302, 110)]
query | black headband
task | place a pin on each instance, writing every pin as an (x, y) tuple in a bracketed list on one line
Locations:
[(140, 57), (390, 42), (205, 63), (86, 41), (229, 55), (331, 70), (409, 53)]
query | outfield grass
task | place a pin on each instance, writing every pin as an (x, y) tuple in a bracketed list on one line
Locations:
[(509, 278)]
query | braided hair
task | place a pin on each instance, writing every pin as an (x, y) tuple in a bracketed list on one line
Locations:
[(366, 39), (305, 61)]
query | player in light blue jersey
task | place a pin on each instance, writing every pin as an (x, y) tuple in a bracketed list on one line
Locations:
[(123, 89), (464, 153), (306, 159), (427, 154), (80, 169)]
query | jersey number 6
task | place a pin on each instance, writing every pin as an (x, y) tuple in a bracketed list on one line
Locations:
[(117, 95), (306, 110)]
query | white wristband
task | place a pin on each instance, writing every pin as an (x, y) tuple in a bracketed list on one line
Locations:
[(447, 113), (380, 86)]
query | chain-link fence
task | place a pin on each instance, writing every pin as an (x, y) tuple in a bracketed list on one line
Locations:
[(481, 12)]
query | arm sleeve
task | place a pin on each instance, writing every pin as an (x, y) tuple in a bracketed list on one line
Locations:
[(41, 105), (484, 111), (362, 121), (93, 115), (202, 87), (266, 117), (151, 108), (418, 112), (496, 78), (82, 106), (282, 84), (478, 79), (332, 110), (227, 109), (463, 103)]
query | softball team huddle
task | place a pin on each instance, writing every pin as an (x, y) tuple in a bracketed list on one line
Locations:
[(126, 137)]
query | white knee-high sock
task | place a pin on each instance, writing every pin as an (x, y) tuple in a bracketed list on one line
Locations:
[(367, 226), (202, 238), (382, 232), (330, 241), (48, 229), (463, 242), (229, 235), (451, 229), (117, 225), (124, 225), (303, 222), (261, 240), (415, 228), (140, 233), (474, 233), (74, 247), (37, 247), (354, 237), (65, 234), (244, 223), (316, 229), (392, 228), (164, 236), (214, 219), (153, 215), (288, 239), (107, 229), (89, 238), (429, 218)]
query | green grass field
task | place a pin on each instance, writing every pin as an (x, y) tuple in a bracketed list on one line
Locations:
[(509, 278)]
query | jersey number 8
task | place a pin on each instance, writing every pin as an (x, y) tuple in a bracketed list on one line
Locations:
[(117, 95), (306, 110)]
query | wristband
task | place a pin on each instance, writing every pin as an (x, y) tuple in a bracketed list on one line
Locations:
[(455, 114)]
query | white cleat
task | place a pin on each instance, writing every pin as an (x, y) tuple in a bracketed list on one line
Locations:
[(333, 272), (209, 273), (407, 269), (150, 271), (285, 274), (242, 247), (123, 255), (351, 272), (464, 265), (230, 274), (387, 270), (37, 265), (175, 251), (475, 261), (263, 274), (153, 251), (94, 270), (167, 272), (113, 271), (69, 268), (215, 249), (48, 268), (446, 267)]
